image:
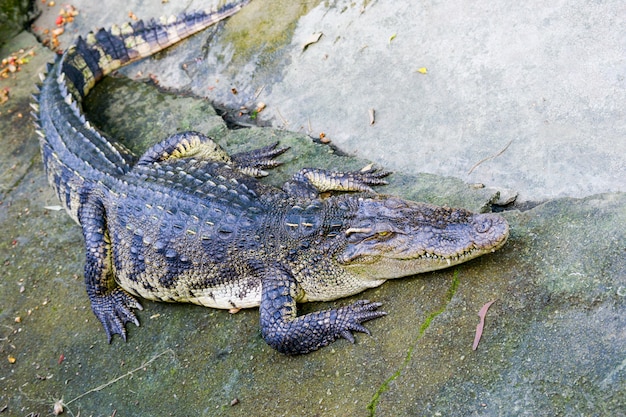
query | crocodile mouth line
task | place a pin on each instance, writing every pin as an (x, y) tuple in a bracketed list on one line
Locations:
[(455, 258), (441, 258)]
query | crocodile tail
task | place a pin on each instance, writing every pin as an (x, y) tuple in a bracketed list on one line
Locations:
[(75, 154), (104, 51)]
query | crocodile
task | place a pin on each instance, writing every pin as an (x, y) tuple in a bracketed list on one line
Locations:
[(188, 222)]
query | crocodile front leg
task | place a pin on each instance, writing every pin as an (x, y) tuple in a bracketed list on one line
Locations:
[(287, 333), (310, 182), (109, 302)]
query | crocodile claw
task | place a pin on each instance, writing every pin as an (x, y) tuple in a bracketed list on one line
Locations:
[(357, 313), (372, 176), (255, 162), (114, 310), (364, 181)]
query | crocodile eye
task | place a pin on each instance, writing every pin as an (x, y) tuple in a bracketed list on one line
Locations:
[(381, 236)]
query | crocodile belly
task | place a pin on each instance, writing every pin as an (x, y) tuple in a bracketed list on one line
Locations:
[(195, 288)]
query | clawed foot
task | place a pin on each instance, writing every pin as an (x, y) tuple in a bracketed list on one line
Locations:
[(299, 335), (254, 162), (310, 182), (114, 310), (369, 177), (350, 318)]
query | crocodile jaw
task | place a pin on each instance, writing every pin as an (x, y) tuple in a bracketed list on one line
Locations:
[(393, 238)]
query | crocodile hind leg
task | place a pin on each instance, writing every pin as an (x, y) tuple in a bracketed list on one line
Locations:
[(311, 182), (196, 145), (185, 145), (109, 302), (253, 163), (287, 333)]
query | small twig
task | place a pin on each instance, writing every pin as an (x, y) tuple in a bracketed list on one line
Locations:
[(285, 124), (490, 157), (258, 92), (114, 380)]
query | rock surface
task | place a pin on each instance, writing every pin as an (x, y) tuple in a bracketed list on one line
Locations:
[(554, 340)]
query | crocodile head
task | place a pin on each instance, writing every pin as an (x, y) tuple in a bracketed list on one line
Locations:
[(391, 238)]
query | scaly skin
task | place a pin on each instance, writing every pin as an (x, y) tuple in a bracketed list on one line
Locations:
[(187, 222)]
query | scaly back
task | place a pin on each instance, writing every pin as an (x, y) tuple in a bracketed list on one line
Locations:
[(74, 153)]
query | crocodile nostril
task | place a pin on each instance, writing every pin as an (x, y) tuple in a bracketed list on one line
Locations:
[(483, 225)]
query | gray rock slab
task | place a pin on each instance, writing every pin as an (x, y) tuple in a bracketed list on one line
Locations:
[(15, 122), (548, 81), (553, 342)]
